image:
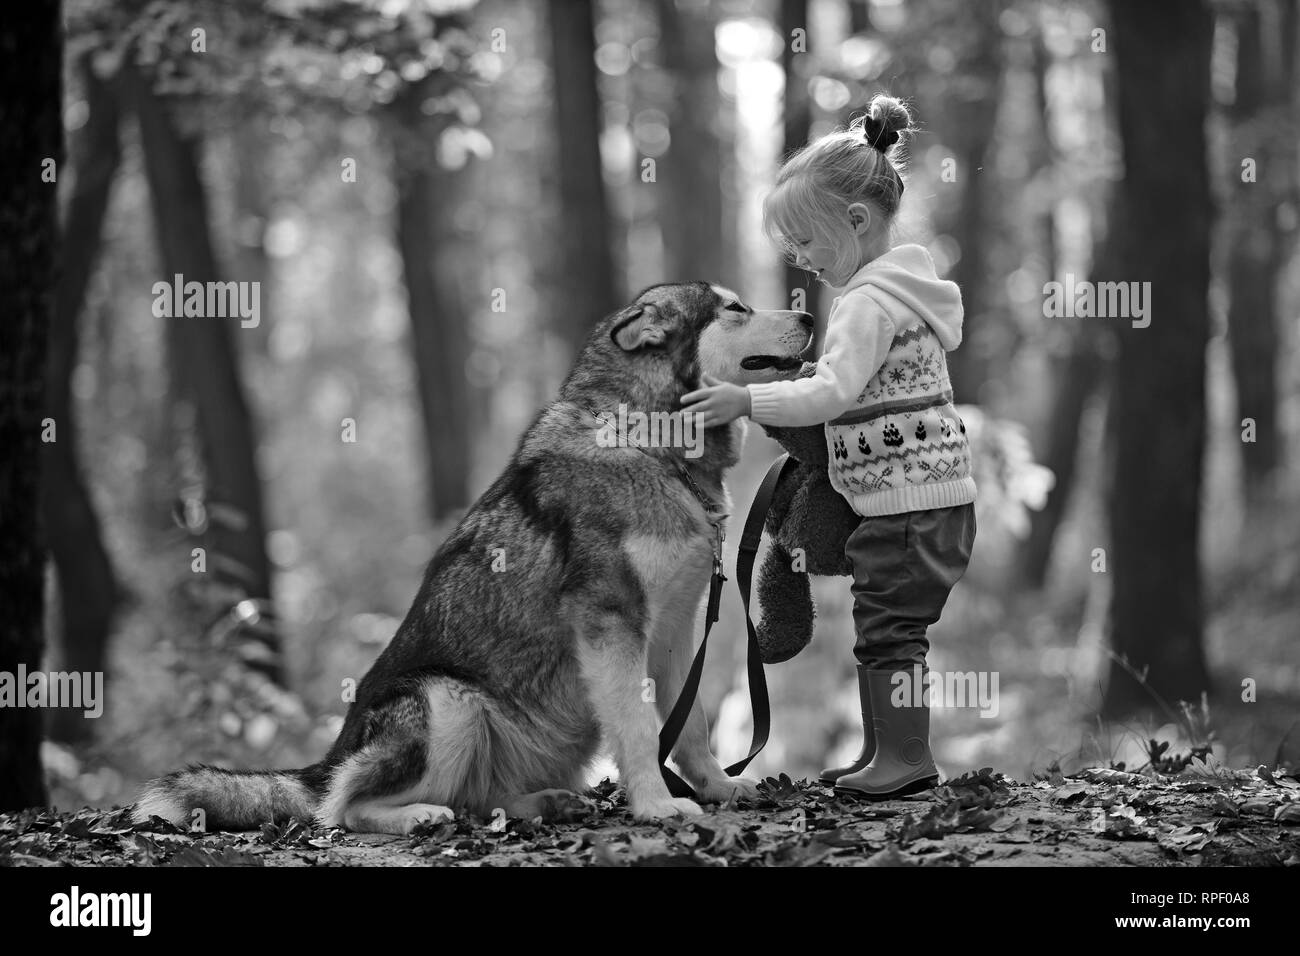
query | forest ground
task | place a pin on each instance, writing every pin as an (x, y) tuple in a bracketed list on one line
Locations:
[(1204, 815)]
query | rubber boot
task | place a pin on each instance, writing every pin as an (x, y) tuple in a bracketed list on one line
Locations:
[(868, 749), (902, 763)]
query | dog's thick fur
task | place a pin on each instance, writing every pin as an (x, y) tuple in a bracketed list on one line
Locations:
[(575, 576)]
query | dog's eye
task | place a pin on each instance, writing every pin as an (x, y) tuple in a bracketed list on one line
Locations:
[(736, 307)]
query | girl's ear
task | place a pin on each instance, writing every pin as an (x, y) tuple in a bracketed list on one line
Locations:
[(859, 219)]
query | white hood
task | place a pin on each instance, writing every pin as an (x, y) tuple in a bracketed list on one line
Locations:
[(906, 275)]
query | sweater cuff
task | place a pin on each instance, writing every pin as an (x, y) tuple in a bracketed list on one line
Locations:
[(764, 404)]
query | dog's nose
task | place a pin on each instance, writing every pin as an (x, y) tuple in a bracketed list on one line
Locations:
[(806, 321)]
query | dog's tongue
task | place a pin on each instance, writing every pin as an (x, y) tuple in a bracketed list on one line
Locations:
[(753, 363)]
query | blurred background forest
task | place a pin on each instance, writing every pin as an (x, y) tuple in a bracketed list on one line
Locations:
[(438, 199)]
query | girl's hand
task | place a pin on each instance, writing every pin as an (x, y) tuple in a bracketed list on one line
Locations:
[(720, 402)]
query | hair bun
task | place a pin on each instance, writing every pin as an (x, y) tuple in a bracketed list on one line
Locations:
[(886, 120)]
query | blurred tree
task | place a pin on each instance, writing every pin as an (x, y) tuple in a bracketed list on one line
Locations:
[(31, 128), (690, 175), (796, 117), (294, 54), (425, 197), (1263, 133), (859, 16), (960, 102), (1156, 603), (252, 150), (1078, 370), (205, 371), (87, 590), (1077, 375), (583, 235)]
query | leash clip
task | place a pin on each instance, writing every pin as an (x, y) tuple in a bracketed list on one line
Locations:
[(719, 535)]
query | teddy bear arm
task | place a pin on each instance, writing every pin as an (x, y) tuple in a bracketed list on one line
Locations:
[(785, 597)]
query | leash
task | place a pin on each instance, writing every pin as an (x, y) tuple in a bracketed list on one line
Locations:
[(758, 698)]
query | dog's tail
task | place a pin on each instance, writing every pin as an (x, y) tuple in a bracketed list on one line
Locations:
[(216, 799)]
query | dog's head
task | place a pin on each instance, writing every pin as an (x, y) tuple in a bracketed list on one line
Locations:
[(671, 335)]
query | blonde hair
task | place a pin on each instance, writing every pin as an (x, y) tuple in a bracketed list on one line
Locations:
[(816, 185)]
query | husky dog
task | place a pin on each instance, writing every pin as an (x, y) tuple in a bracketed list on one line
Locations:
[(575, 577)]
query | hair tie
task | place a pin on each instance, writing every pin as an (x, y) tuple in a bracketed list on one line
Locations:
[(877, 134)]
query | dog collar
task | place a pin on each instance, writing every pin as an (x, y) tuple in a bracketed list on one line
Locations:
[(715, 516), (712, 512)]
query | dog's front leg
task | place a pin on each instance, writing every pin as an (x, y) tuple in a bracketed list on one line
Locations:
[(671, 655), (612, 659)]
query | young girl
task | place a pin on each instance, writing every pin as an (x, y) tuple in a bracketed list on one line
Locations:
[(898, 450)]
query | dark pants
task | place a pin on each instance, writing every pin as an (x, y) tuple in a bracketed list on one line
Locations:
[(904, 566)]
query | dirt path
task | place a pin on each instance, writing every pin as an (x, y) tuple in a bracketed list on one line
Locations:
[(1208, 815)]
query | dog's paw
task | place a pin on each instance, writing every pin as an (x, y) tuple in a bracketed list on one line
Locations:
[(660, 808), (725, 789), (410, 817)]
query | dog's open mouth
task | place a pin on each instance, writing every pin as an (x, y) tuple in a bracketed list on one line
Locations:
[(782, 363)]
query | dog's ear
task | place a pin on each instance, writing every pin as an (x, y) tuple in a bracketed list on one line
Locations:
[(638, 327)]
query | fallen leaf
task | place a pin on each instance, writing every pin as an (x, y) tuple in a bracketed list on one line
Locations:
[(1257, 806), (1106, 775), (198, 856), (1069, 792), (1120, 823), (780, 788), (1208, 768), (1287, 813), (889, 856), (839, 837), (799, 854), (1191, 839), (1225, 805)]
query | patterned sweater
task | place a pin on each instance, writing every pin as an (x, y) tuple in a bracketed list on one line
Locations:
[(881, 386)]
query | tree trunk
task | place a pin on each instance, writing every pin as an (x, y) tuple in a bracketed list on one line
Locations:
[(966, 124), (859, 16), (583, 233), (1079, 374), (253, 155), (1159, 396), (1258, 116), (796, 119), (31, 128), (1077, 379), (87, 589), (204, 370), (441, 344), (689, 178)]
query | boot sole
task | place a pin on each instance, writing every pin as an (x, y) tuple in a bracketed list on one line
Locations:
[(916, 786)]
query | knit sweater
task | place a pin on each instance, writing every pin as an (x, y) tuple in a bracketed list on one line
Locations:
[(881, 387)]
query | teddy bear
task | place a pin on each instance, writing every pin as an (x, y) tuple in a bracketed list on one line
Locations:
[(809, 523)]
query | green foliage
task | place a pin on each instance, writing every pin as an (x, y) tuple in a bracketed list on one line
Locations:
[(1011, 483), (355, 53)]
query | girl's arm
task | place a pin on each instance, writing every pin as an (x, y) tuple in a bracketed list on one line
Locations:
[(857, 342)]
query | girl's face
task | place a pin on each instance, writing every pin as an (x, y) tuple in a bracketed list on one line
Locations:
[(816, 255), (832, 255)]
